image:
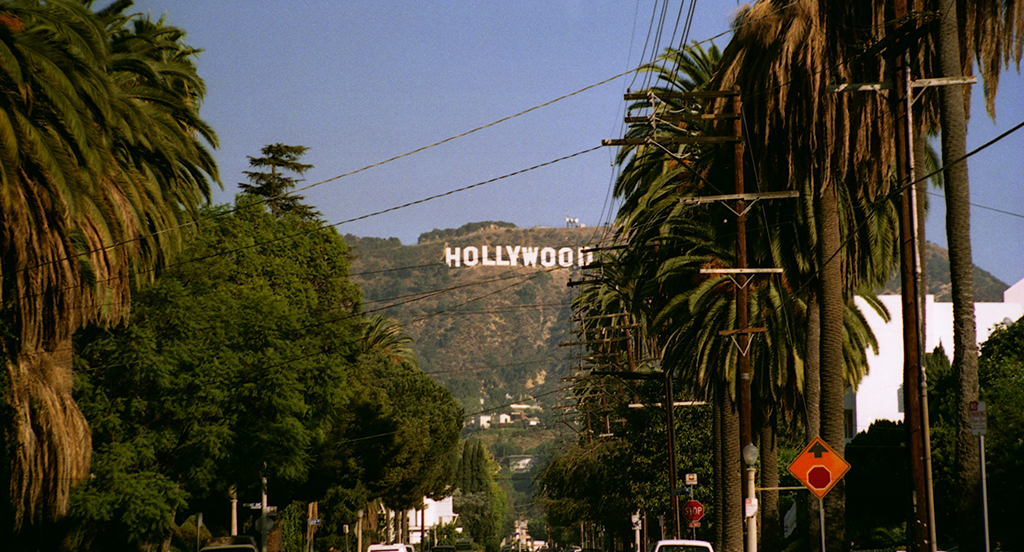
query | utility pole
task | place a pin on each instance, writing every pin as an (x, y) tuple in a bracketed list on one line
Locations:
[(898, 44), (919, 523), (739, 274), (670, 422)]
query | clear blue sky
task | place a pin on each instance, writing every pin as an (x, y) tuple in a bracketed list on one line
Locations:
[(359, 82)]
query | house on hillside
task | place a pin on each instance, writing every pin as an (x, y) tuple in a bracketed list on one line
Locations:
[(484, 421), (520, 463), (880, 394), (522, 412)]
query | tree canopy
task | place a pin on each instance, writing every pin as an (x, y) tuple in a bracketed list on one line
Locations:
[(247, 360)]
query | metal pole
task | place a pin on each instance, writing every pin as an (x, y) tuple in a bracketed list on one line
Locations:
[(263, 517), (234, 510), (359, 532), (918, 530), (752, 519), (670, 421), (821, 521), (984, 489)]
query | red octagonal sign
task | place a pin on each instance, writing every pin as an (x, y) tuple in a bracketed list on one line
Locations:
[(693, 510), (819, 467)]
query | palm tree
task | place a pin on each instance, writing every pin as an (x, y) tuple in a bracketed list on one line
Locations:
[(994, 31), (782, 60), (88, 185), (385, 337)]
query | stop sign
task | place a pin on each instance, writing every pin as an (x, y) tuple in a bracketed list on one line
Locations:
[(819, 477), (693, 510)]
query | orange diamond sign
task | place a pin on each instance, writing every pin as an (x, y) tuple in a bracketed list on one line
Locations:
[(819, 467)]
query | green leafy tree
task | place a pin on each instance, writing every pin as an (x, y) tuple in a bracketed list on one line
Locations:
[(274, 186), (103, 158), (232, 367), (479, 501), (1001, 371)]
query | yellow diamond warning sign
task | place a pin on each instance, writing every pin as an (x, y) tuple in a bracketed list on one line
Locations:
[(819, 467)]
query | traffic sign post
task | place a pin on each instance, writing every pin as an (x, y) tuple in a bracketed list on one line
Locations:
[(979, 426), (693, 511), (819, 468)]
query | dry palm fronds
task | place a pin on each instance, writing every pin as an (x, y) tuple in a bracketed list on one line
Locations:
[(783, 58), (53, 439)]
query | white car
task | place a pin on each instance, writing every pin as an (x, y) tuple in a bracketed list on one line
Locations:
[(396, 547), (681, 545)]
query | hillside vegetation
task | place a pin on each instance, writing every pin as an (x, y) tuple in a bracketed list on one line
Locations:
[(490, 334)]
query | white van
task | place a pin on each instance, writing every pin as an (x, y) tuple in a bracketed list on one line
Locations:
[(396, 547), (681, 545)]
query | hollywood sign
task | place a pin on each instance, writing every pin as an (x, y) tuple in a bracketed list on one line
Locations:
[(509, 255)]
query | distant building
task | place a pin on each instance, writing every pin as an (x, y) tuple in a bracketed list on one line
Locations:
[(880, 394), (484, 421), (519, 463), (504, 419), (434, 513)]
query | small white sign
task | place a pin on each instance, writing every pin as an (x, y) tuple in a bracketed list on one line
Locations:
[(750, 507), (978, 416), (691, 479)]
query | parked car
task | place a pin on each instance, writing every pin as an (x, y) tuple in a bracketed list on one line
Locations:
[(394, 547), (681, 545), (237, 543)]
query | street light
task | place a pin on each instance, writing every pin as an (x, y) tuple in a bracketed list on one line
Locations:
[(750, 454), (359, 531)]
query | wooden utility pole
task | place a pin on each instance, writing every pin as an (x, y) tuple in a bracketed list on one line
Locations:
[(739, 274), (898, 44), (918, 524)]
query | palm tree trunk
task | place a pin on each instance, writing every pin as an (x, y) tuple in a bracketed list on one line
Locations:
[(832, 388), (770, 524), (812, 402), (958, 236), (732, 474), (719, 478), (920, 203)]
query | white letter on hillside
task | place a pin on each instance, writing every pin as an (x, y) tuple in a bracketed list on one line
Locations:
[(585, 256), (513, 254), (466, 257), (497, 257), (484, 260), (547, 257), (529, 256), (565, 257), (450, 256)]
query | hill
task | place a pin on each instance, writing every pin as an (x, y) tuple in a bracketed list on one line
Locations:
[(487, 305), (987, 288), (489, 328)]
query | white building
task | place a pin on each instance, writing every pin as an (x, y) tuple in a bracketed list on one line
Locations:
[(433, 514), (484, 421), (879, 395)]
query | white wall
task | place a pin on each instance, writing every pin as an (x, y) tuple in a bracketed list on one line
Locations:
[(434, 513), (878, 396)]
